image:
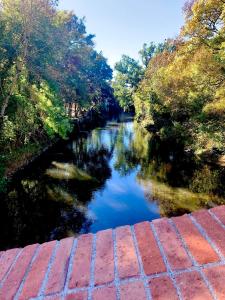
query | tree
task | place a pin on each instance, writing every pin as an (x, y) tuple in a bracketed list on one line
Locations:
[(128, 75), (149, 51), (182, 94), (47, 63)]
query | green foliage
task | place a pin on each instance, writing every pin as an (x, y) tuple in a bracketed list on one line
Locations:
[(8, 131), (149, 51), (49, 72), (128, 74), (123, 93), (51, 111), (131, 70)]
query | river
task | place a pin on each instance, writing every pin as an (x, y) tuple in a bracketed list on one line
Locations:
[(109, 177)]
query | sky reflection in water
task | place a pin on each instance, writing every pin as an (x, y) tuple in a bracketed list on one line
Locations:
[(122, 201)]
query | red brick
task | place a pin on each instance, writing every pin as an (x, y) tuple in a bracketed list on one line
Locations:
[(219, 211), (212, 228), (57, 275), (17, 273), (104, 263), (133, 291), (149, 250), (6, 261), (216, 277), (77, 296), (192, 286), (80, 276), (162, 288), (108, 293), (127, 259), (197, 244), (37, 273), (176, 254)]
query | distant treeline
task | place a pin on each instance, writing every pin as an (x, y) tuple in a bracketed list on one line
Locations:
[(178, 91)]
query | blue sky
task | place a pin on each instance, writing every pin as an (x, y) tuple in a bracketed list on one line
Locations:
[(122, 26)]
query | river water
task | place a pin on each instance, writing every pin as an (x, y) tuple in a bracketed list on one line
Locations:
[(109, 177)]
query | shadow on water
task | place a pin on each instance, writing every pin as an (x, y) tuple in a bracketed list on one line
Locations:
[(112, 176)]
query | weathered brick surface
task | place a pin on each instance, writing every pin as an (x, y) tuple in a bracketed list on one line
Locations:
[(200, 249), (133, 291), (108, 293), (126, 254), (216, 276), (56, 298), (37, 273), (58, 272), (215, 232), (80, 276), (219, 212), (149, 250), (192, 286), (174, 250), (162, 288), (104, 264), (17, 273), (6, 260), (126, 264), (78, 296)]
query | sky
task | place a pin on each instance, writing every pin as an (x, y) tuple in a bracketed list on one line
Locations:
[(123, 26)]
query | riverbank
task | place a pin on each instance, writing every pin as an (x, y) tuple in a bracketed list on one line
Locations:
[(18, 159)]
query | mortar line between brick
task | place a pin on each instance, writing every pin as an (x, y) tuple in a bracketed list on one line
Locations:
[(195, 268), (112, 284), (194, 262), (208, 284), (116, 272), (44, 283), (10, 268), (216, 219), (205, 235), (142, 272), (169, 270), (70, 267), (18, 293), (92, 268)]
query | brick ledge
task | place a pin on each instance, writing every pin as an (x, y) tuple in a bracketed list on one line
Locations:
[(177, 258)]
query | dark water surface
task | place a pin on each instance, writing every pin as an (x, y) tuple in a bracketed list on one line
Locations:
[(112, 176)]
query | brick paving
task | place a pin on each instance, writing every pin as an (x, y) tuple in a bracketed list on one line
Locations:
[(167, 259)]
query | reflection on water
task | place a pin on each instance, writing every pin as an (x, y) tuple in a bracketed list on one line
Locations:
[(64, 171), (109, 177)]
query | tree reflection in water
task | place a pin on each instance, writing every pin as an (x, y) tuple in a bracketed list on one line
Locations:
[(177, 180), (109, 177), (49, 200)]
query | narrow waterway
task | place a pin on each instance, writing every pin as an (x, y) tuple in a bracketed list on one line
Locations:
[(111, 176)]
